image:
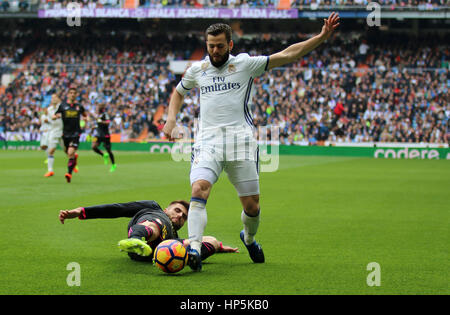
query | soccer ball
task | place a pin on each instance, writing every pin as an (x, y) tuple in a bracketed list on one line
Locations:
[(170, 256)]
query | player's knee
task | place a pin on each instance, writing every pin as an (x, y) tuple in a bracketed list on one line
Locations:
[(201, 189), (251, 204), (71, 153)]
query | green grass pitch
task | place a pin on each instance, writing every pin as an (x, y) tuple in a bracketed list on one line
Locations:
[(323, 220)]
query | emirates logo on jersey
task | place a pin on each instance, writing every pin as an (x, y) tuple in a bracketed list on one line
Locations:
[(231, 68)]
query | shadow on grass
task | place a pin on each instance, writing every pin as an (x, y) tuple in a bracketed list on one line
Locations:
[(125, 265)]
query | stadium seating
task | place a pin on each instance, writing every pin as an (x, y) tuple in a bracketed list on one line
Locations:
[(395, 94), (32, 5)]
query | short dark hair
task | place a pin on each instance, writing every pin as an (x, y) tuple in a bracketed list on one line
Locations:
[(183, 202), (219, 28)]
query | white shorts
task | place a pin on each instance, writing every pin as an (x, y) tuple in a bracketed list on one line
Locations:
[(45, 138), (243, 174), (54, 139)]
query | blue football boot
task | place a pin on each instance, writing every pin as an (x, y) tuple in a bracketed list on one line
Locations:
[(254, 249)]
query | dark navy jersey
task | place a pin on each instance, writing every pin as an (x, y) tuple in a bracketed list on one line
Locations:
[(138, 211), (70, 114), (103, 121)]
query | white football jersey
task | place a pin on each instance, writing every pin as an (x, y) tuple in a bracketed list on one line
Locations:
[(57, 124), (225, 94), (45, 123)]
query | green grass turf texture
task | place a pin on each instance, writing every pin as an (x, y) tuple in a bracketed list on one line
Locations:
[(324, 219)]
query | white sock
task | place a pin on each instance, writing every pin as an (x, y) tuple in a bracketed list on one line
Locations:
[(197, 219), (250, 227), (50, 161)]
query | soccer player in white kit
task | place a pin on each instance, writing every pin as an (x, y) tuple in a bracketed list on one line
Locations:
[(224, 139), (44, 130), (54, 133)]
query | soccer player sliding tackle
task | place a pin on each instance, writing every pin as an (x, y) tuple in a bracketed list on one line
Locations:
[(148, 227)]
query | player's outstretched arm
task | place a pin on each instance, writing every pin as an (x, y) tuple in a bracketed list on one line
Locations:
[(176, 100), (69, 214), (296, 51), (108, 211)]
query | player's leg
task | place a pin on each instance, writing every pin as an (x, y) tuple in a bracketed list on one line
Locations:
[(205, 170), (138, 236), (54, 139), (70, 163), (72, 146), (95, 145), (67, 143), (210, 246), (44, 144), (197, 220), (244, 176), (75, 143), (202, 179), (107, 144), (50, 160), (44, 147), (71, 151), (250, 217)]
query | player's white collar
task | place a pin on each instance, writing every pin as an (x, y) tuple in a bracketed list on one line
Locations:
[(230, 57)]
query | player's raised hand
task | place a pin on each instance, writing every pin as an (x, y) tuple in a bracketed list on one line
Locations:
[(69, 214), (330, 24)]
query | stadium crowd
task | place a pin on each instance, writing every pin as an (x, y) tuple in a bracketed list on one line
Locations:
[(351, 91), (23, 5)]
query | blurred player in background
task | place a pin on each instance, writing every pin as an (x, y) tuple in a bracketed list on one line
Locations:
[(54, 133), (44, 131), (102, 135), (225, 138), (70, 111), (149, 226)]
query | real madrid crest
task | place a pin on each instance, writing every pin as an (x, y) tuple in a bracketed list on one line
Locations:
[(231, 68), (205, 65)]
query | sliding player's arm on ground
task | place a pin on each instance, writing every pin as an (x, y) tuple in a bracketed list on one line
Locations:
[(298, 50), (106, 211), (218, 246)]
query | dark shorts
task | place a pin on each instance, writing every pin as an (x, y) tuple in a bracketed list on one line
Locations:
[(71, 142), (105, 140)]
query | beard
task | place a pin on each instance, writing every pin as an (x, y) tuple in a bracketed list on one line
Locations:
[(176, 226), (221, 62)]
